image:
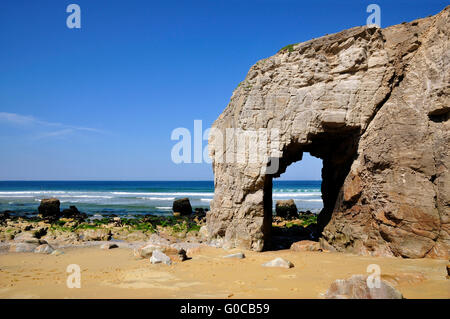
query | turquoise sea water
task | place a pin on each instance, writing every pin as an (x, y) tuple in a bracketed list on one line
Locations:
[(137, 197)]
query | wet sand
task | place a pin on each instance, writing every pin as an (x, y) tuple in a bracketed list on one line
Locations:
[(117, 273)]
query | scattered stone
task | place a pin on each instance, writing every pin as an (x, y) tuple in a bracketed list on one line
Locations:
[(159, 257), (38, 233), (190, 248), (117, 222), (286, 208), (49, 208), (279, 262), (22, 247), (182, 206), (356, 288), (147, 250), (237, 256), (44, 249), (57, 252), (181, 255), (306, 245), (107, 246)]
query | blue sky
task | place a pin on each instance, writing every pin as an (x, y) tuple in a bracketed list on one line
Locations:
[(101, 102)]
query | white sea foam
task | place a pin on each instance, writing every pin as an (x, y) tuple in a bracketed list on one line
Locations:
[(157, 198), (163, 194), (289, 195), (85, 196), (146, 199), (17, 196), (35, 192)]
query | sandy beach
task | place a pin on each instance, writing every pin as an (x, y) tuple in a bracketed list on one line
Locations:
[(117, 273)]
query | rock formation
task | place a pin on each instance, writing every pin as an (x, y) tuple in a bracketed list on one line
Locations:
[(373, 104), (356, 287), (182, 206), (49, 208), (286, 208)]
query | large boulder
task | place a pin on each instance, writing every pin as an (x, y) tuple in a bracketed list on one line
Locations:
[(49, 208), (182, 206), (146, 251), (279, 263), (356, 287), (306, 245), (158, 257), (286, 208), (44, 249), (4, 216), (373, 105)]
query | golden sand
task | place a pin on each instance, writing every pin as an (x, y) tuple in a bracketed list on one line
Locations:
[(117, 273)]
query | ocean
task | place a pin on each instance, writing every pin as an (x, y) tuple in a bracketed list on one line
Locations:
[(137, 197)]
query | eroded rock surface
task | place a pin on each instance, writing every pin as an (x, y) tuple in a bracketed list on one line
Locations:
[(373, 104)]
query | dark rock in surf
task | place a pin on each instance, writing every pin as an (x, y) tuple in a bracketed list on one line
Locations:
[(73, 212), (286, 208), (49, 208), (182, 206)]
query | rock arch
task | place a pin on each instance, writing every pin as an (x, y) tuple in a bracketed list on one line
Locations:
[(373, 104)]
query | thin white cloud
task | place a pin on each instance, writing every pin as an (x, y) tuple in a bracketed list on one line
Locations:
[(58, 133), (28, 121), (16, 118)]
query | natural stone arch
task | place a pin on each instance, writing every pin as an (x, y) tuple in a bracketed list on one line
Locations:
[(373, 104)]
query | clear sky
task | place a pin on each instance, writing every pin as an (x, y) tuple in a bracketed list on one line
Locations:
[(101, 102)]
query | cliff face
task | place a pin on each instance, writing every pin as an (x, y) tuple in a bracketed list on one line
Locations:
[(373, 104)]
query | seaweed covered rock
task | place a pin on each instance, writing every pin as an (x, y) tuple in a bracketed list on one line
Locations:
[(182, 206), (49, 208), (286, 208)]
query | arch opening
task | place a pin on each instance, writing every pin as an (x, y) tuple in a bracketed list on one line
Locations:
[(337, 152), (296, 202)]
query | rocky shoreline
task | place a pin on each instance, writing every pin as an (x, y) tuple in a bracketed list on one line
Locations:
[(72, 228)]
